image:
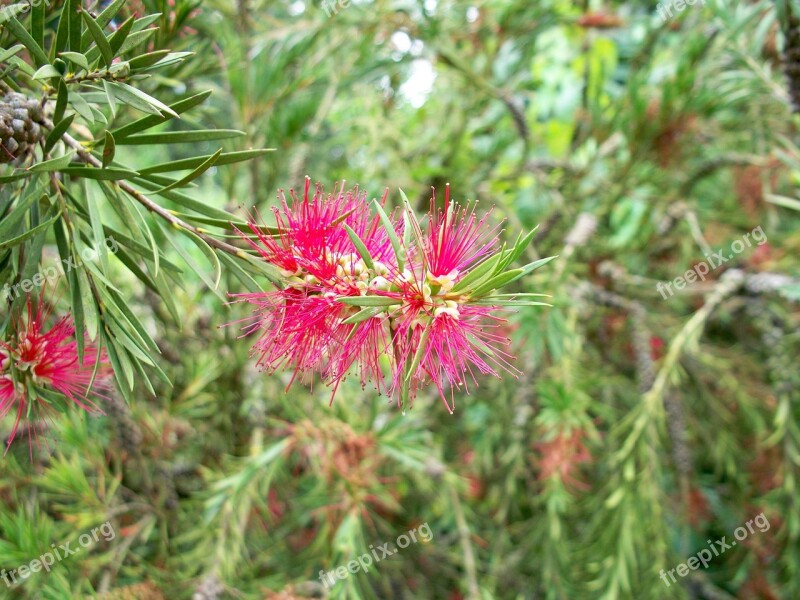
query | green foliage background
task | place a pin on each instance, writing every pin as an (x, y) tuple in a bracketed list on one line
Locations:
[(642, 427)]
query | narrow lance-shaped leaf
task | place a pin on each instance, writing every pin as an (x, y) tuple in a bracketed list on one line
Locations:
[(364, 314), (360, 247), (147, 122), (390, 231), (55, 134), (180, 137), (76, 58), (120, 35), (194, 174), (367, 300), (109, 149), (420, 353), (61, 102), (18, 31)]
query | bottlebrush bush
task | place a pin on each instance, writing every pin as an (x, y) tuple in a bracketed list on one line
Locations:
[(633, 427)]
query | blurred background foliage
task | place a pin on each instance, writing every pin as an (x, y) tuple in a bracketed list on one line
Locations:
[(642, 426)]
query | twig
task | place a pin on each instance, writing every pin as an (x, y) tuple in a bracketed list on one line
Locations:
[(466, 546), (176, 222)]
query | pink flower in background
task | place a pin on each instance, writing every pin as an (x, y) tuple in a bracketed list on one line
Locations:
[(48, 359), (363, 291)]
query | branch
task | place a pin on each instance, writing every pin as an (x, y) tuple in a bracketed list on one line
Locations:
[(149, 204)]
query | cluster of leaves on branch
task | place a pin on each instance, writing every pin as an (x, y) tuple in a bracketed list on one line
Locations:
[(77, 92)]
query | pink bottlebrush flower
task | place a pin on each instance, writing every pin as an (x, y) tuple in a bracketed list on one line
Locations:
[(356, 297), (455, 343), (456, 239), (310, 233), (361, 346), (301, 325), (49, 359)]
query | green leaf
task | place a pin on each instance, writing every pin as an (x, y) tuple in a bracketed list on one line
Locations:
[(19, 32), (166, 292), (519, 247), (54, 164), (477, 273), (13, 51), (124, 314), (210, 255), (531, 267), (109, 174), (235, 268), (421, 349), (103, 19), (109, 149), (364, 314), (37, 22), (194, 174), (368, 300), (120, 35), (138, 99), (498, 281), (228, 223), (62, 34), (76, 58), (133, 40), (360, 247), (185, 201), (74, 9), (171, 59), (82, 107), (180, 137), (412, 228), (9, 223), (61, 102), (492, 301), (125, 365), (147, 122), (784, 201), (10, 243), (147, 60), (15, 177), (60, 228), (55, 134), (212, 284), (137, 38), (226, 158), (110, 98), (503, 279), (89, 306), (390, 231), (9, 12), (116, 365), (93, 200)]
